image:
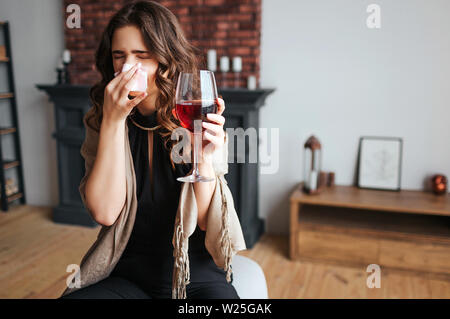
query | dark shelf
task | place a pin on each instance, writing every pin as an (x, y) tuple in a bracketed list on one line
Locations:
[(10, 164), (6, 95), (10, 98), (14, 197), (7, 130)]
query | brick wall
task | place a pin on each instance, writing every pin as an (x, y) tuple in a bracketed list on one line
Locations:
[(231, 27)]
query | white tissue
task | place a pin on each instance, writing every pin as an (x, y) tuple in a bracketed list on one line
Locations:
[(140, 83)]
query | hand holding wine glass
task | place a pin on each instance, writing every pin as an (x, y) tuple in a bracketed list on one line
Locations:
[(199, 110), (214, 134), (213, 131)]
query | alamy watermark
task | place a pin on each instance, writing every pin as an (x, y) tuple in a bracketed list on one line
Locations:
[(257, 150), (374, 279), (373, 21), (74, 279), (73, 21)]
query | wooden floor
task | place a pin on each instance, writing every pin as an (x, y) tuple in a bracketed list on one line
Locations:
[(34, 254)]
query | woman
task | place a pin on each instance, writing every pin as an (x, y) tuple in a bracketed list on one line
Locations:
[(148, 36)]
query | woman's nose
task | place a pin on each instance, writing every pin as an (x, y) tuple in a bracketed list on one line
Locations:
[(131, 60)]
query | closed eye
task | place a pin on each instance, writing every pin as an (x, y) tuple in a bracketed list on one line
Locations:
[(122, 56)]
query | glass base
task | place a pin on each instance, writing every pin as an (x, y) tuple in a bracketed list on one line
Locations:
[(194, 178)]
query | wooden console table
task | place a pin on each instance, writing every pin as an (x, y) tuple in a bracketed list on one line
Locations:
[(406, 230)]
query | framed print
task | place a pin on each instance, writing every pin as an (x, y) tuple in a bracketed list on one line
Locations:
[(380, 163)]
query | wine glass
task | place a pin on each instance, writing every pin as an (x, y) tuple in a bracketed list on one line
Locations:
[(196, 95)]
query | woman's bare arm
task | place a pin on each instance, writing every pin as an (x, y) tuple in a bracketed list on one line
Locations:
[(106, 185)]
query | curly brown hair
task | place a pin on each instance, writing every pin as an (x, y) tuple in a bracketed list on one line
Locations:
[(166, 41)]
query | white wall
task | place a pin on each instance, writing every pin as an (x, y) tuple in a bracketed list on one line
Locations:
[(340, 80), (37, 42)]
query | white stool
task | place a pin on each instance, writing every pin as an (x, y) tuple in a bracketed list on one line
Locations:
[(248, 278)]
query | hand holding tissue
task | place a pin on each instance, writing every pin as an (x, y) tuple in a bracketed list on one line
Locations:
[(138, 82)]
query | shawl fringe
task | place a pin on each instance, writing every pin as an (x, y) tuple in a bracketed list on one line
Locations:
[(225, 240), (181, 273)]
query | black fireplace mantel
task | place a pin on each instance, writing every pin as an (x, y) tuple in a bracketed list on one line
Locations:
[(71, 102)]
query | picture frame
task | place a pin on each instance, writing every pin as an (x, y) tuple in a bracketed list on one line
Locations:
[(380, 163)]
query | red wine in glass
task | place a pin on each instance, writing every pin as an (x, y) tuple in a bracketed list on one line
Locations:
[(189, 111)]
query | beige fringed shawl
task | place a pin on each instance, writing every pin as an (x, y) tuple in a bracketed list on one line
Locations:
[(223, 233)]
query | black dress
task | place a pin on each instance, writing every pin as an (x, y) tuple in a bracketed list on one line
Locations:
[(148, 257)]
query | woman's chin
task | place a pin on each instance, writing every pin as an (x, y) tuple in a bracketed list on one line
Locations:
[(145, 108)]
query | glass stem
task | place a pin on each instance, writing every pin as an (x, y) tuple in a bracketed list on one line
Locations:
[(197, 141)]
